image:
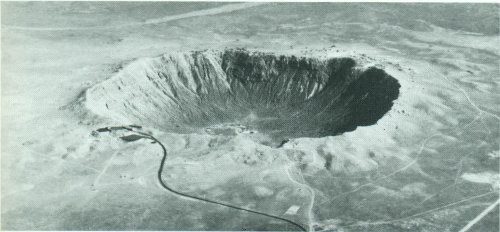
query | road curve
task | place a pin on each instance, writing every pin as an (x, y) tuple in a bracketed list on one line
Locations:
[(165, 186)]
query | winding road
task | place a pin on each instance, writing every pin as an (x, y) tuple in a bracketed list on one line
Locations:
[(165, 186)]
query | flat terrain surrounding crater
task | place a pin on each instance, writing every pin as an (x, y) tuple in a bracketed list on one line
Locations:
[(282, 96)]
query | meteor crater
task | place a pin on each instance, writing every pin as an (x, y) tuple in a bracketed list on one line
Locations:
[(237, 90)]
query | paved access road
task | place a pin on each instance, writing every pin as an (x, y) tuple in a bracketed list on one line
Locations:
[(141, 135)]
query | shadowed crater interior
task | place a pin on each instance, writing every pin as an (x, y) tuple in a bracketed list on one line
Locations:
[(237, 91)]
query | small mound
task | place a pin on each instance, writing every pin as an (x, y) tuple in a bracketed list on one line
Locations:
[(235, 90)]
